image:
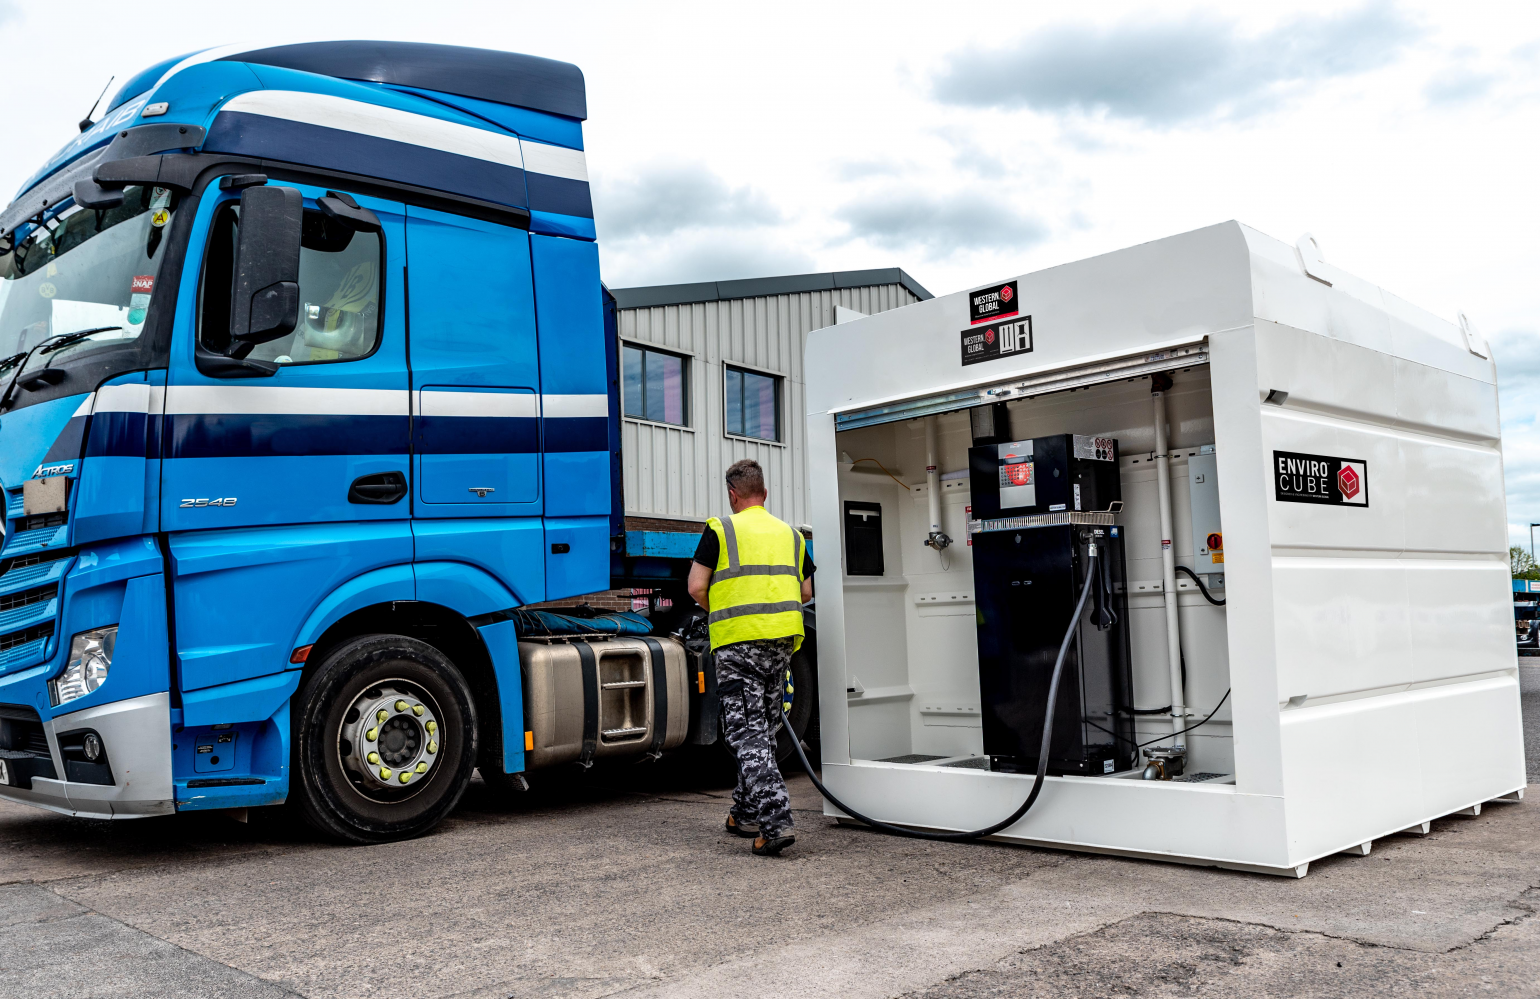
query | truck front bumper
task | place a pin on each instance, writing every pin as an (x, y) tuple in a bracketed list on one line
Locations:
[(137, 735)]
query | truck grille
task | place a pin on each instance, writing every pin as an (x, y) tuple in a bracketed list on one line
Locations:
[(32, 568), (26, 636), (11, 601), (29, 534), (40, 520), (21, 729)]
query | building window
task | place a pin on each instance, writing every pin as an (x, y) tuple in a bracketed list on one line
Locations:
[(753, 405), (655, 387)]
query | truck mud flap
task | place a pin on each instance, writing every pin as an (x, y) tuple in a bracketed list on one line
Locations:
[(705, 706)]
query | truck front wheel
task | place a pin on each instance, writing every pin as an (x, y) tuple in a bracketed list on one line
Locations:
[(385, 740)]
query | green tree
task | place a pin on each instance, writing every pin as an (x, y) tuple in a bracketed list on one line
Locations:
[(1523, 564)]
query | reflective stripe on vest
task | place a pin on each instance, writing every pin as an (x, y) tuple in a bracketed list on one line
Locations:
[(756, 587)]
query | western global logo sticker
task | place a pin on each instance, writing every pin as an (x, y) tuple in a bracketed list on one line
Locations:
[(997, 340), (998, 301), (1319, 478)]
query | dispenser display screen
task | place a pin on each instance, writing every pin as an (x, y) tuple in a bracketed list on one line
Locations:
[(1017, 488)]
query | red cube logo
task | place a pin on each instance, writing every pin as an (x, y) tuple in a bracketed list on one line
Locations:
[(1348, 482)]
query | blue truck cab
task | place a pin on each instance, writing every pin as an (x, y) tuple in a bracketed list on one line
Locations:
[(307, 387)]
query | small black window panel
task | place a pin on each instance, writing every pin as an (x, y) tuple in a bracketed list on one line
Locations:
[(752, 405), (863, 539), (655, 386)]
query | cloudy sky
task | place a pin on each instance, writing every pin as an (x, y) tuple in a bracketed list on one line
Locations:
[(965, 142)]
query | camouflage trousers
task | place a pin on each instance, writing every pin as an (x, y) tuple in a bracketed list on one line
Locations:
[(751, 677)]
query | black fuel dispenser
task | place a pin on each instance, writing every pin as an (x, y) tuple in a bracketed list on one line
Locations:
[(1038, 506)]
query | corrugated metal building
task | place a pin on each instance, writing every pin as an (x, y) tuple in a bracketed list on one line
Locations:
[(712, 373)]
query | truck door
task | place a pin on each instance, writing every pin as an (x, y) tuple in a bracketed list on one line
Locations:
[(275, 490), (476, 397)]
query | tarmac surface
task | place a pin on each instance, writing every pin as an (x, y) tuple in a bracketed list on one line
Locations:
[(623, 884)]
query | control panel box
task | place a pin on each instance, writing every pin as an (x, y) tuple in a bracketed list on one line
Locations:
[(1064, 473)]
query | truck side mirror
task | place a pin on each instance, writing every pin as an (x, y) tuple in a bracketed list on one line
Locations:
[(264, 302)]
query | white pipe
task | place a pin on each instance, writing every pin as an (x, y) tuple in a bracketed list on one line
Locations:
[(1168, 567), (932, 477)]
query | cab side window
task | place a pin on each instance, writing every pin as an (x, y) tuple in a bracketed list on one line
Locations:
[(339, 279)]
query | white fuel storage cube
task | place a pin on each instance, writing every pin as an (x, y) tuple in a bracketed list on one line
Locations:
[(1333, 475)]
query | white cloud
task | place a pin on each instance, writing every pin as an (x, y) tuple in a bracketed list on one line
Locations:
[(1167, 72), (712, 255), (662, 199), (940, 226)]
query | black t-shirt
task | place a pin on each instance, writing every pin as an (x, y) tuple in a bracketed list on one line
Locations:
[(710, 549)]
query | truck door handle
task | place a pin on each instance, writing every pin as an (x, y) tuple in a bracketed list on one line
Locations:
[(382, 488)]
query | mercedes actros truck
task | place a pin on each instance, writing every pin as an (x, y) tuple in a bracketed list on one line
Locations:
[(309, 385)]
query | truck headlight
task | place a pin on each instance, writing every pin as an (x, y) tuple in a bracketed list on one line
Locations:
[(90, 658)]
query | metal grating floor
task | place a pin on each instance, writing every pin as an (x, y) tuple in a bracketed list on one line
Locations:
[(1196, 778), (911, 758), (975, 763)]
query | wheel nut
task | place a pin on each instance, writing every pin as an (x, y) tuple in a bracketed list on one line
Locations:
[(381, 715), (374, 757), (432, 747), (400, 705), (384, 773), (405, 776), (417, 710), (432, 727), (422, 768), (369, 735)]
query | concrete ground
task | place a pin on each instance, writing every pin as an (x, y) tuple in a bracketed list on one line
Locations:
[(623, 884)]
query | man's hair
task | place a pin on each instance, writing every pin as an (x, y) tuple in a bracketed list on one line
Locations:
[(746, 478)]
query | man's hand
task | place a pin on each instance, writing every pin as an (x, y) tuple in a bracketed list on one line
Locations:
[(699, 584)]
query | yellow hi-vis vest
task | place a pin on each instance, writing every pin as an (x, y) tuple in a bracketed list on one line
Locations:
[(756, 588)]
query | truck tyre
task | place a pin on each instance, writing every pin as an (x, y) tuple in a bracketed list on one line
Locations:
[(384, 740)]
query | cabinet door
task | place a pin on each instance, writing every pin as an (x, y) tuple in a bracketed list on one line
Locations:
[(475, 368)]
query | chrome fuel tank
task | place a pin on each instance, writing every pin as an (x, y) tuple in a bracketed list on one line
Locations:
[(602, 698)]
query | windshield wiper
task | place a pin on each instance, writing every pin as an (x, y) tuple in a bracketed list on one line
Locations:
[(63, 340), (5, 365), (47, 345)]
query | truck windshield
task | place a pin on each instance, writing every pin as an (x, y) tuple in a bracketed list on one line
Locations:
[(84, 269)]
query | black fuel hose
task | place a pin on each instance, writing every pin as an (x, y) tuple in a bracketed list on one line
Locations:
[(1201, 588), (1042, 755)]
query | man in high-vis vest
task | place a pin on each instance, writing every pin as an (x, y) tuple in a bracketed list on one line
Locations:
[(752, 574)]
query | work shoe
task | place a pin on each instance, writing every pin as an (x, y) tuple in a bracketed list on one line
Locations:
[(772, 846), (737, 830)]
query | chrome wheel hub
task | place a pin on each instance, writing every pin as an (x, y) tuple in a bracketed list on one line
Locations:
[(390, 736)]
